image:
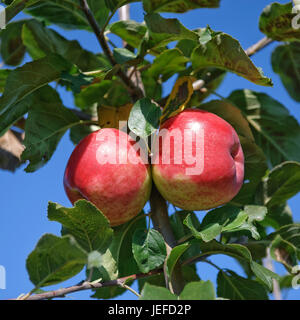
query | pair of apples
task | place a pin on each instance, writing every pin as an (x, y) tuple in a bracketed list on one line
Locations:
[(199, 166)]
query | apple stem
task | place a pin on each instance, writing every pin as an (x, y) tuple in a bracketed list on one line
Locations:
[(161, 223)]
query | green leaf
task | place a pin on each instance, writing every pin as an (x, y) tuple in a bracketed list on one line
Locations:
[(94, 260), (226, 53), (162, 31), (144, 118), (264, 274), (178, 6), (3, 76), (255, 212), (290, 233), (286, 63), (31, 76), (235, 287), (212, 78), (152, 86), (207, 234), (107, 92), (100, 11), (123, 55), (238, 252), (186, 46), (118, 260), (12, 47), (151, 292), (180, 230), (284, 252), (227, 111), (91, 95), (80, 131), (283, 182), (276, 22), (274, 129), (67, 14), (286, 281), (189, 273), (156, 280), (167, 64), (200, 290), (54, 260), (285, 246), (105, 292), (279, 216), (40, 41), (76, 82), (115, 4), (130, 31), (46, 123), (16, 6), (175, 255), (85, 223), (13, 114), (227, 219), (179, 97), (149, 249)]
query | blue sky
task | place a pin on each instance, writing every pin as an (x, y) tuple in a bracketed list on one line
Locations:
[(24, 196)]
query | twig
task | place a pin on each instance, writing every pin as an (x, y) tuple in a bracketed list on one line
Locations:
[(212, 264), (135, 92), (125, 286), (269, 265), (83, 116), (90, 285), (258, 46)]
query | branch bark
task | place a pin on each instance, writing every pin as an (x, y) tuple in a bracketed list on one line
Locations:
[(258, 46), (85, 285), (268, 263), (161, 222)]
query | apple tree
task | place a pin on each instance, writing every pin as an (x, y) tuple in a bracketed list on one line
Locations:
[(159, 248)]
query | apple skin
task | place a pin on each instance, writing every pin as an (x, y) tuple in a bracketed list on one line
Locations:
[(223, 162), (119, 190)]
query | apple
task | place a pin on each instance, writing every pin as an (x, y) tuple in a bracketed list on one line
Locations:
[(107, 169), (198, 161)]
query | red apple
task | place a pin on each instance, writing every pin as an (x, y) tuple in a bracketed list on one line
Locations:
[(217, 173), (107, 169)]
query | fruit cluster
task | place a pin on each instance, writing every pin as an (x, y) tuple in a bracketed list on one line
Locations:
[(197, 163)]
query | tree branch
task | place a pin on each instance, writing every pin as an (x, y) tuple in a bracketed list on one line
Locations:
[(258, 46), (161, 222), (268, 263), (135, 92), (85, 285)]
